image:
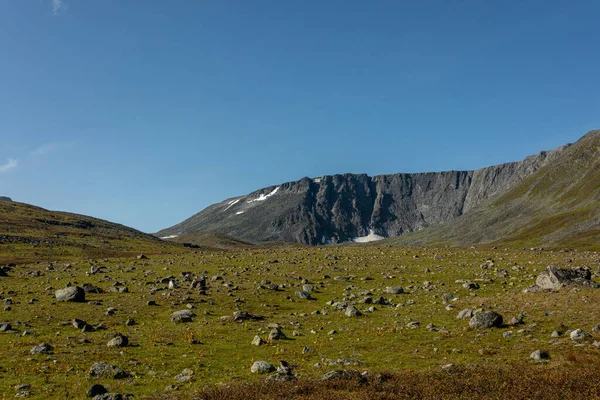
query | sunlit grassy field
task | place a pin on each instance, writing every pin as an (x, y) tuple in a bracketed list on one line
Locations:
[(219, 351)]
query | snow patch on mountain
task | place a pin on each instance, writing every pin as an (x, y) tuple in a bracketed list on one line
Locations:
[(371, 237), (264, 197), (231, 204)]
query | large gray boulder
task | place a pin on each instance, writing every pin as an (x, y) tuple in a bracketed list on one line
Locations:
[(70, 294), (554, 277), (487, 319)]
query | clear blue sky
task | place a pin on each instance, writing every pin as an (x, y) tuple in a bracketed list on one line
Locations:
[(144, 112)]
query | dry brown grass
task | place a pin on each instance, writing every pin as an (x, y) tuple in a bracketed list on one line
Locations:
[(576, 379)]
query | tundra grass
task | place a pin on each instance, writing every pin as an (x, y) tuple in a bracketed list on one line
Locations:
[(219, 350)]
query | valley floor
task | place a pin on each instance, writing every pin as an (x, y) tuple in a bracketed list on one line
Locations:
[(402, 342)]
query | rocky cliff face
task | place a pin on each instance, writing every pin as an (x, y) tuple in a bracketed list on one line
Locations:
[(341, 208)]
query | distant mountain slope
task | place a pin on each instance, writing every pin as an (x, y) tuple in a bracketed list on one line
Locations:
[(29, 232), (557, 206), (342, 208)]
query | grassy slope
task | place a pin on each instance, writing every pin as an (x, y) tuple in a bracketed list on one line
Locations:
[(31, 233), (558, 206)]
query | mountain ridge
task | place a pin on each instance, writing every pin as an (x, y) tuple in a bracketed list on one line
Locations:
[(343, 207)]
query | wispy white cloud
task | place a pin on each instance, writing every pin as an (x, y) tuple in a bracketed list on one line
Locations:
[(8, 165), (45, 149), (59, 7)]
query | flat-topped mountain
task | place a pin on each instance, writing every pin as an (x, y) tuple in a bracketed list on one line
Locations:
[(357, 207), (4, 198)]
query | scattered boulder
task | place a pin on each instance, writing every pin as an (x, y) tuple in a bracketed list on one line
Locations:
[(284, 373), (554, 277), (182, 316), (301, 294), (245, 316), (277, 334), (394, 290), (257, 341), (96, 390), (70, 294), (579, 335), (118, 341), (106, 370), (42, 348), (262, 367), (540, 355), (89, 288), (5, 326), (486, 319), (466, 313), (352, 311)]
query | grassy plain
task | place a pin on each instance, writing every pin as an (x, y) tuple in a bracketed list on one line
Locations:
[(219, 351)]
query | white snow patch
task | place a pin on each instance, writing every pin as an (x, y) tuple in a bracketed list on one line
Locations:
[(169, 237), (263, 197), (239, 212), (371, 237), (230, 204), (317, 180)]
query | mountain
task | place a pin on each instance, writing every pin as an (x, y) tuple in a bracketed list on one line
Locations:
[(351, 207), (28, 233), (558, 206), (4, 198)]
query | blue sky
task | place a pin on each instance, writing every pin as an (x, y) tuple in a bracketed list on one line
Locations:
[(144, 112)]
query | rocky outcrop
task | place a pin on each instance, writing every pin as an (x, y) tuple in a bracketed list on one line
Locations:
[(554, 277), (342, 208)]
